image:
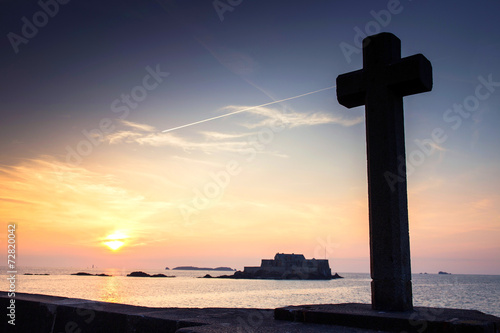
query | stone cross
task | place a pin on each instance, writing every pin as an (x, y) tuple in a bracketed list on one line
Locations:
[(380, 86)]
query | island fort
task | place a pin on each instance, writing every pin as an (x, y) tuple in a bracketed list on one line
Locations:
[(291, 266)]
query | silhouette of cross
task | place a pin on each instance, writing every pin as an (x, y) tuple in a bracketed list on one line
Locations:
[(380, 86)]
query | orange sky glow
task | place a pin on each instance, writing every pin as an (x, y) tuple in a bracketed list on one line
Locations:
[(90, 177), (74, 216)]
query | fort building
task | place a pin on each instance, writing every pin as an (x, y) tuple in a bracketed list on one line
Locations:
[(292, 266)]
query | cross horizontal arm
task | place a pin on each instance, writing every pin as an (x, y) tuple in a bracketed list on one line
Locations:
[(351, 89), (411, 75), (408, 76)]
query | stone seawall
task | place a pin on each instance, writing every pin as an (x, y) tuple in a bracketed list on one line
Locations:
[(41, 313), (50, 314)]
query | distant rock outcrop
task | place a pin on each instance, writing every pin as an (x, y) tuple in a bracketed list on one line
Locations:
[(89, 274), (160, 275), (444, 273), (192, 268), (142, 274), (139, 274)]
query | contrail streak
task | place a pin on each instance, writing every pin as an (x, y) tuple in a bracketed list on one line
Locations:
[(246, 109)]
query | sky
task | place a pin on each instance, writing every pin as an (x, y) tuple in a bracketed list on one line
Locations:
[(91, 174)]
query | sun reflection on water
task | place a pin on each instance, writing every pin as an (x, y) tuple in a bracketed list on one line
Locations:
[(111, 289)]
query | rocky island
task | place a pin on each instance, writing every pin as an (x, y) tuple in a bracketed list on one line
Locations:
[(143, 274), (286, 267), (191, 268), (89, 274)]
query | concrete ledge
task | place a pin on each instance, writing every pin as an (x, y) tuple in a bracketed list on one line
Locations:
[(50, 314), (41, 313), (421, 319)]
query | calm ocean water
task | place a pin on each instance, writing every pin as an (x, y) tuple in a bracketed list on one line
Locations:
[(478, 292)]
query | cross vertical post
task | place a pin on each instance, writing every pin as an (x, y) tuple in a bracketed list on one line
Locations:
[(380, 86)]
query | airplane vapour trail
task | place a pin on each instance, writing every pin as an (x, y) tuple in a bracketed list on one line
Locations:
[(246, 109)]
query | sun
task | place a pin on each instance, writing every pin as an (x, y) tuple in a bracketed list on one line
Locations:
[(116, 240), (114, 245)]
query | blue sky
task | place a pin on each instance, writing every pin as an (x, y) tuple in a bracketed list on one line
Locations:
[(294, 188)]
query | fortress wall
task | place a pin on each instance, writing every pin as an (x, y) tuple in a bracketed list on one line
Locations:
[(292, 269), (267, 263), (305, 266), (251, 270)]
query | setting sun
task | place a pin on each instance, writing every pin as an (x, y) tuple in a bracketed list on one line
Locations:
[(115, 240), (114, 245)]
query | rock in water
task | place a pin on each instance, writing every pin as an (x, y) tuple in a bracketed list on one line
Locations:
[(139, 274)]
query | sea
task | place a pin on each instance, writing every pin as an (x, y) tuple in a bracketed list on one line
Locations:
[(188, 290)]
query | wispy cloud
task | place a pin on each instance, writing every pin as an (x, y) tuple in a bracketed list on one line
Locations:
[(223, 136), (202, 161), (141, 127), (212, 141), (149, 136), (431, 143), (126, 136), (292, 119), (159, 139)]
